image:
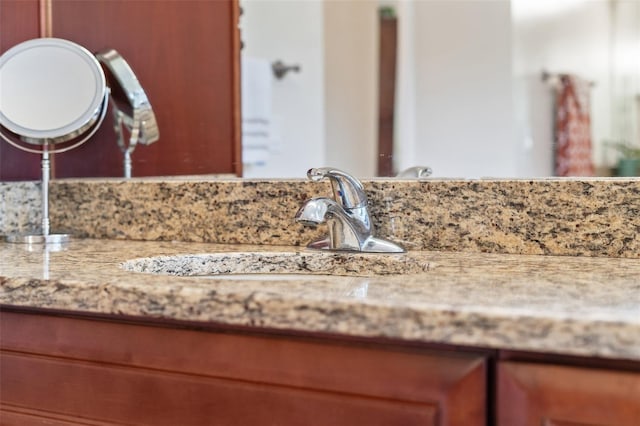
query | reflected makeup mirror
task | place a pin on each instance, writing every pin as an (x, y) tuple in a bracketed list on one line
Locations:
[(131, 108), (53, 98)]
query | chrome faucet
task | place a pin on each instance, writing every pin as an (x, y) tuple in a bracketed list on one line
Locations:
[(347, 215)]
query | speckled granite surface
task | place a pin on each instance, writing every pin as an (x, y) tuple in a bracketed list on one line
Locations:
[(20, 207), (571, 305), (556, 217), (277, 262)]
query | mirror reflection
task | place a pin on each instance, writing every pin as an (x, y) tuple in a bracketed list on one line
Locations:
[(185, 55), (466, 88), (515, 88), (134, 120)]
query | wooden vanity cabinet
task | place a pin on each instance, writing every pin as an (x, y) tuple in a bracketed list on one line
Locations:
[(66, 370), (70, 370), (558, 395)]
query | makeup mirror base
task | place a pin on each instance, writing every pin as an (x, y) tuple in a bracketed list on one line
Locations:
[(39, 239)]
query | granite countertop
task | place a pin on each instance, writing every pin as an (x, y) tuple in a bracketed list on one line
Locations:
[(570, 305)]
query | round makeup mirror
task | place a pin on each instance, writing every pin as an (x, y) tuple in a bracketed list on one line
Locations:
[(53, 98)]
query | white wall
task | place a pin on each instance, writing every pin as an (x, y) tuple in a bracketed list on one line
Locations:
[(559, 37), (471, 99), (351, 85), (626, 71), (326, 114), (462, 89), (404, 143), (293, 32)]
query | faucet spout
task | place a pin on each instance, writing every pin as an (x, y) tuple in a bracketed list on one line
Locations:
[(346, 232), (314, 211)]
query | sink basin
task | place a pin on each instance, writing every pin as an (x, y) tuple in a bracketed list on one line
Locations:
[(249, 264)]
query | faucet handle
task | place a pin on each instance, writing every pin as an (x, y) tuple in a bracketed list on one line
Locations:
[(347, 190)]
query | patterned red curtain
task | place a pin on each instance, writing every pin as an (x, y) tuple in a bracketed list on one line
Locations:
[(573, 128)]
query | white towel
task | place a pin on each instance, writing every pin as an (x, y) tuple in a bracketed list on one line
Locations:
[(256, 110)]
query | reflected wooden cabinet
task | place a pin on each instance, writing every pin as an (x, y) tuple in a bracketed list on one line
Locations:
[(186, 55), (18, 22), (80, 371), (557, 395)]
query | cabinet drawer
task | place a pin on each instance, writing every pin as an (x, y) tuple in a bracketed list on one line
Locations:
[(124, 395), (124, 373), (538, 394)]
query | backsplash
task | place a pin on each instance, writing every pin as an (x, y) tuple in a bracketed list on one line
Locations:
[(547, 216), (20, 207)]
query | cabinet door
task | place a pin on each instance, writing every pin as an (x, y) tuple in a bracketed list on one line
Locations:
[(550, 395), (68, 369)]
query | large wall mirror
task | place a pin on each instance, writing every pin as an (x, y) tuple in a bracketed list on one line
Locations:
[(466, 88), (471, 95)]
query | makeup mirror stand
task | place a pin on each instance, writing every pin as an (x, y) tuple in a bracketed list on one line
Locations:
[(54, 99), (46, 174), (121, 122), (46, 237)]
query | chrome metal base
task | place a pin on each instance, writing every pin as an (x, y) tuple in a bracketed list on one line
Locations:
[(370, 245), (39, 239)]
